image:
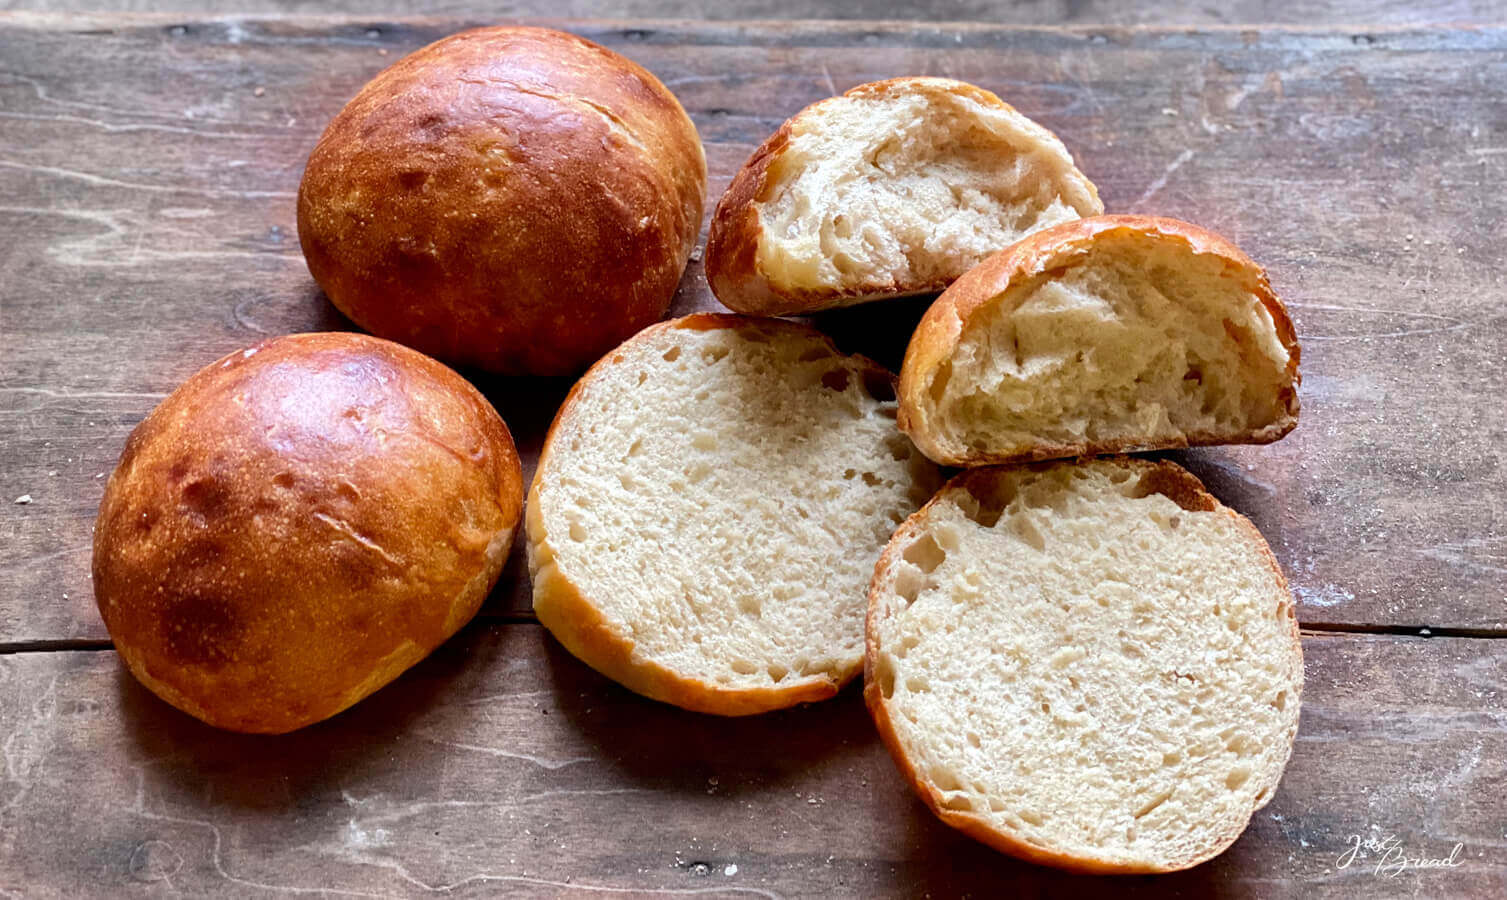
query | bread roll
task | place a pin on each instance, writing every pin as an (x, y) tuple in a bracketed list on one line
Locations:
[(1106, 335), (300, 522), (516, 199), (708, 508), (1089, 666), (896, 187)]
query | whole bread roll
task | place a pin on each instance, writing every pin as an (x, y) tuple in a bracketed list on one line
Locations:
[(300, 522), (517, 199)]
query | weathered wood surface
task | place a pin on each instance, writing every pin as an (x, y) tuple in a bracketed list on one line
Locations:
[(147, 174), (147, 170), (1039, 12), (501, 764)]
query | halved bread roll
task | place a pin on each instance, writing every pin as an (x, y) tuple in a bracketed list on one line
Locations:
[(1092, 666), (708, 508), (1106, 335), (896, 187)]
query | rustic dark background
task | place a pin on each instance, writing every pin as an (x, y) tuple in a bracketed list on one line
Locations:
[(148, 157)]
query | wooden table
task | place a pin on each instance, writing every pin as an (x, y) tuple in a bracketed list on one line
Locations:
[(147, 173)]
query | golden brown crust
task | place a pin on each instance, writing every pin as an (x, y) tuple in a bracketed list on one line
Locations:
[(517, 199), (732, 245), (1159, 476), (578, 623), (936, 336), (298, 523)]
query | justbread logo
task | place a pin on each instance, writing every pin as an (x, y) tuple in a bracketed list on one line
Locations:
[(1392, 859)]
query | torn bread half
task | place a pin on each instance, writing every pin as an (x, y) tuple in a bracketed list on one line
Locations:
[(1105, 335), (708, 508), (1093, 666), (894, 188)]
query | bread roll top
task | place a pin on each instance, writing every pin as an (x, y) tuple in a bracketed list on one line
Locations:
[(299, 522), (517, 199)]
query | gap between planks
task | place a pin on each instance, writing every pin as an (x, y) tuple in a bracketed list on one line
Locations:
[(108, 23), (1325, 629), (65, 645)]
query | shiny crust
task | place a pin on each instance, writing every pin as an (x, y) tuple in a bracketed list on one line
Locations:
[(578, 623), (516, 199), (936, 336), (298, 523), (1187, 491), (732, 244)]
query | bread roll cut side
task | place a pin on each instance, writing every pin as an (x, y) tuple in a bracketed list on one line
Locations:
[(1091, 666), (707, 509), (894, 188), (593, 638), (1106, 335)]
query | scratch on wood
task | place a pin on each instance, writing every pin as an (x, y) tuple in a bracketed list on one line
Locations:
[(84, 395), (100, 249), (401, 811), (568, 886), (1453, 323), (508, 697), (29, 741), (41, 94), (136, 248), (1237, 98), (513, 754), (1161, 180), (1467, 761), (134, 126), (139, 809), (1082, 90), (581, 792), (102, 181), (25, 748), (831, 86), (682, 80), (33, 560), (1468, 553)]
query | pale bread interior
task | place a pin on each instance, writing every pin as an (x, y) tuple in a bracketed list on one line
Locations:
[(721, 496), (1088, 667), (909, 187), (1139, 343)]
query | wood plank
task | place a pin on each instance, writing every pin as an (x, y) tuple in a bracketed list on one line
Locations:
[(503, 764), (1051, 12), (147, 169)]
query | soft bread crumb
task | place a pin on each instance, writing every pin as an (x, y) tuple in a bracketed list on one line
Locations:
[(719, 493), (1092, 664), (901, 186), (1128, 339)]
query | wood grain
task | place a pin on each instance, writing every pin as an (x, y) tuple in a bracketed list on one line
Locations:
[(502, 764), (147, 173), (1039, 12)]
